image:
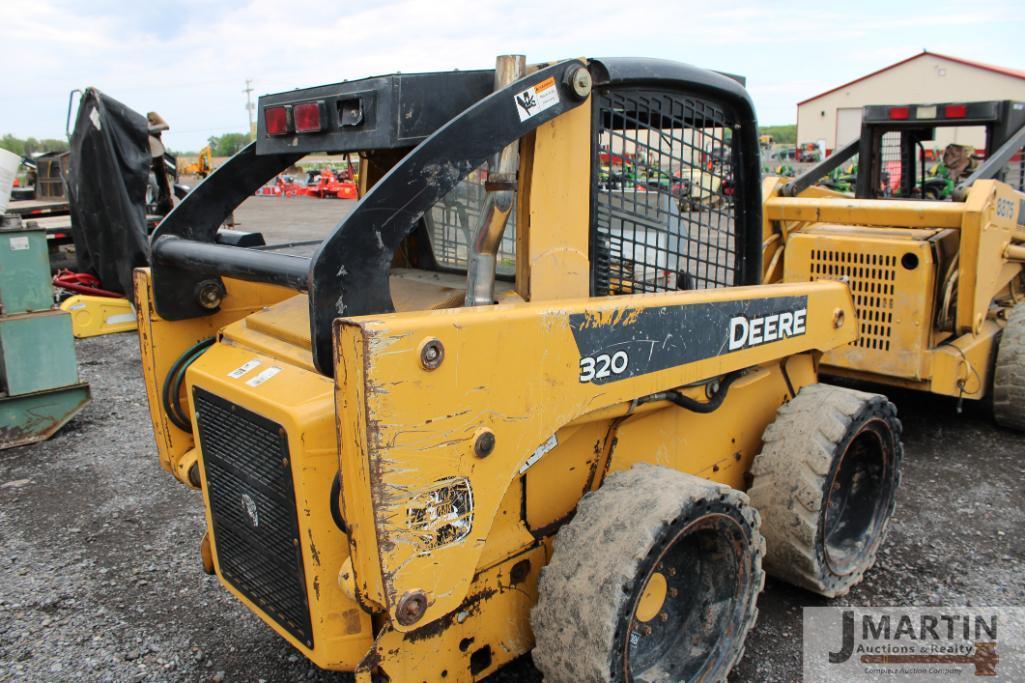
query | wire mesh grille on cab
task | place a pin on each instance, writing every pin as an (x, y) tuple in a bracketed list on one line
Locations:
[(663, 193), (252, 506)]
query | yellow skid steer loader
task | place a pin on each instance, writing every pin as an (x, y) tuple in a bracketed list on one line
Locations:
[(938, 286), (444, 440)]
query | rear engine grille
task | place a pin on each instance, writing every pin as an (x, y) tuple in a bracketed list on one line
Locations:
[(252, 505), (871, 278)]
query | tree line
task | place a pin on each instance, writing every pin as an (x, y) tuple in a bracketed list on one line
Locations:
[(220, 145), (782, 135), (228, 144), (30, 146)]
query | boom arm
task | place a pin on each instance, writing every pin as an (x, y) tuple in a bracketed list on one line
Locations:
[(409, 434)]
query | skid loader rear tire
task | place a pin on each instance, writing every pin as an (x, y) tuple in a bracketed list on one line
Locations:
[(655, 578), (825, 484), (1009, 373)]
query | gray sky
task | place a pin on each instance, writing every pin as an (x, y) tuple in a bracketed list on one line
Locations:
[(188, 59)]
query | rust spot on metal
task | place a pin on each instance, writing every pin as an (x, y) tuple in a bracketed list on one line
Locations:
[(550, 528), (350, 618), (314, 553), (470, 606), (411, 607), (371, 661)]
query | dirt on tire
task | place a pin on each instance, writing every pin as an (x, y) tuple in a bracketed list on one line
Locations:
[(793, 475), (586, 591), (1009, 373)]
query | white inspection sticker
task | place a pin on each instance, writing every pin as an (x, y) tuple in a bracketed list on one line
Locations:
[(243, 369), (264, 376), (536, 99), (19, 243)]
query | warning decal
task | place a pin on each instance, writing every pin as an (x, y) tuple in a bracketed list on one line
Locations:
[(536, 99), (243, 369), (264, 376)]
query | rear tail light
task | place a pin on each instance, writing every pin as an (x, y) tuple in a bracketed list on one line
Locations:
[(955, 111), (277, 120), (899, 113), (307, 117)]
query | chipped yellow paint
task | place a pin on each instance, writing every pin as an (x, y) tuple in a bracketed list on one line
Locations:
[(161, 342), (604, 318), (525, 361), (302, 402)]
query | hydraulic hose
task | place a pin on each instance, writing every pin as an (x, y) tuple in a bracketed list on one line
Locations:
[(171, 391), (684, 401), (82, 283), (335, 495)]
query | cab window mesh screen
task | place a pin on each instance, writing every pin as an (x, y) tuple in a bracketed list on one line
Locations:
[(662, 193), (1014, 174), (891, 165), (452, 221)]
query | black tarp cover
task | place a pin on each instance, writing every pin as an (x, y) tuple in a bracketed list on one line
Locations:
[(107, 179)]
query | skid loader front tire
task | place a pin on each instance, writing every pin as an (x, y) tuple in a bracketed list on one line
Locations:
[(1009, 373), (825, 485), (655, 578)]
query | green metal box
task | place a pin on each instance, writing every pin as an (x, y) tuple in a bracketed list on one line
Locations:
[(24, 271), (37, 352)]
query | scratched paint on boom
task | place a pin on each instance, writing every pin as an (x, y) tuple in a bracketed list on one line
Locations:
[(652, 339)]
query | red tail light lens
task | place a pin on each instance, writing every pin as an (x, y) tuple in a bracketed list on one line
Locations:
[(899, 113), (276, 120), (307, 117), (955, 111)]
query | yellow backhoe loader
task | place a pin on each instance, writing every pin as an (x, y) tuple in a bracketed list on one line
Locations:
[(505, 406), (938, 285), (202, 166)]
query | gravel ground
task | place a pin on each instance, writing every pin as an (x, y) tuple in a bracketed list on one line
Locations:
[(102, 577)]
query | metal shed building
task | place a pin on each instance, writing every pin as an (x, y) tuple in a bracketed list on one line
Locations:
[(834, 116)]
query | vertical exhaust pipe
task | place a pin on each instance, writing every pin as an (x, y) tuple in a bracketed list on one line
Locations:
[(498, 202)]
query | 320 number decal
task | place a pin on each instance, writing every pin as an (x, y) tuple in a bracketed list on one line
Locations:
[(603, 365)]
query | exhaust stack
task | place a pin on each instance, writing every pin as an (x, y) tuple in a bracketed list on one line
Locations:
[(498, 203)]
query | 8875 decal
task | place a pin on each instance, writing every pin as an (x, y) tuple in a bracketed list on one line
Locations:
[(603, 365)]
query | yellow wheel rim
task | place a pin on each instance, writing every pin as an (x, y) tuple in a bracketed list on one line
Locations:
[(652, 599)]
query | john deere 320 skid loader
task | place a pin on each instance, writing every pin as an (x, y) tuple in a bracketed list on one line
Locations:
[(506, 406), (938, 285)]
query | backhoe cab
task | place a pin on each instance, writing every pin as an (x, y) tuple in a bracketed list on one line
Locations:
[(508, 402), (932, 245)]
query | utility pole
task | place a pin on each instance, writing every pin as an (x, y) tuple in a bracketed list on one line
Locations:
[(250, 107)]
